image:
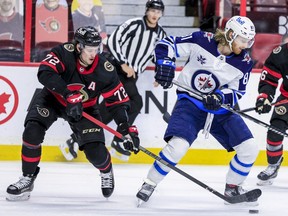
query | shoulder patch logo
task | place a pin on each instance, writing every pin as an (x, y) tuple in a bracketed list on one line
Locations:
[(108, 66), (277, 50), (281, 110), (69, 47), (44, 112)]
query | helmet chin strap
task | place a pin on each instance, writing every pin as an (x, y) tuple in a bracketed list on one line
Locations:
[(82, 61), (230, 41)]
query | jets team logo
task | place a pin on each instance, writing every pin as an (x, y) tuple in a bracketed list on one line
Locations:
[(204, 81)]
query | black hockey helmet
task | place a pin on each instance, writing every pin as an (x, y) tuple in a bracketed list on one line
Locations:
[(155, 4), (88, 35)]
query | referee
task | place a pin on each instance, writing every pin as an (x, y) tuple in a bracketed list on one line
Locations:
[(132, 45)]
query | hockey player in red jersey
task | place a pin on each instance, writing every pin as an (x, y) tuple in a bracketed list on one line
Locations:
[(275, 68), (74, 75)]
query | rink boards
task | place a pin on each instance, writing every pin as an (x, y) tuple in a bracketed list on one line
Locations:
[(17, 85)]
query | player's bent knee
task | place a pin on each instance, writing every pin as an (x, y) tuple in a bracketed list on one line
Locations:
[(176, 149), (96, 153), (247, 151), (272, 136), (34, 132)]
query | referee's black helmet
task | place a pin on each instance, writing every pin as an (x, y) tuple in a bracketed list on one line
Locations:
[(155, 4)]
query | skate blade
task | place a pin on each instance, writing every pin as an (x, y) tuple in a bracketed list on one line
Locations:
[(139, 202), (65, 151), (243, 204), (118, 155), (21, 197), (265, 183)]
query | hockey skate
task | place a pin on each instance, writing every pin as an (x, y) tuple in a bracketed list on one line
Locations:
[(267, 176), (107, 183), (145, 191), (236, 190), (70, 148), (20, 191), (117, 151)]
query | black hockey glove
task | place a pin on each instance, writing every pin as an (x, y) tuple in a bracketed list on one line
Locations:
[(74, 106), (212, 101), (263, 104), (131, 133), (165, 72)]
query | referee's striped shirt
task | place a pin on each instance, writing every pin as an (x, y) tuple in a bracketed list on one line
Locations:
[(133, 43)]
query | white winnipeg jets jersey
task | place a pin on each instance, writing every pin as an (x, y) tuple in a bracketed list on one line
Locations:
[(206, 69)]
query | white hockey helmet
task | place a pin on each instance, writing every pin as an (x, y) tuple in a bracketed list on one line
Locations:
[(240, 26)]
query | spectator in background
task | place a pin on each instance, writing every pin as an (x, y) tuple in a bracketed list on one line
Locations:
[(89, 14), (51, 21), (51, 26), (11, 22)]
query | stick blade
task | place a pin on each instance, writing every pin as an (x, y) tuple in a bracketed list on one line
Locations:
[(249, 196)]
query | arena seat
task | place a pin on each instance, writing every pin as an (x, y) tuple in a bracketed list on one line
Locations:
[(11, 50)]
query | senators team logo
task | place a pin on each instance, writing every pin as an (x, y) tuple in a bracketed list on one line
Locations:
[(50, 25), (9, 100), (281, 110)]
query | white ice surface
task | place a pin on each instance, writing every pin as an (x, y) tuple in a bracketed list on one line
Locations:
[(74, 189)]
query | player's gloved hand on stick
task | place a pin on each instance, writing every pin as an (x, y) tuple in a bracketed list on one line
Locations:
[(212, 101), (165, 72), (131, 133), (74, 106), (263, 104)]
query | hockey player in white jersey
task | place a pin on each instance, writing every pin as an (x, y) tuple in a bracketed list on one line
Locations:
[(218, 67)]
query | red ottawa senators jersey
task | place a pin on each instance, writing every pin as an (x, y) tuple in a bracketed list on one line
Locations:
[(275, 68), (61, 70)]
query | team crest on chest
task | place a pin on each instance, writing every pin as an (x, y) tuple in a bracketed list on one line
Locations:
[(204, 81)]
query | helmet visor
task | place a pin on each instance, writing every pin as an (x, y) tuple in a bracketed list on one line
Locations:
[(92, 49), (244, 41)]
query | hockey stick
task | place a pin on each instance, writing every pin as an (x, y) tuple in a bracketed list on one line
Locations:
[(273, 104), (166, 116), (227, 107), (246, 197)]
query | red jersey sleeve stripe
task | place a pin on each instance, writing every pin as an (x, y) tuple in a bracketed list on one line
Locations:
[(30, 159), (272, 73), (111, 92), (270, 83), (117, 102)]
